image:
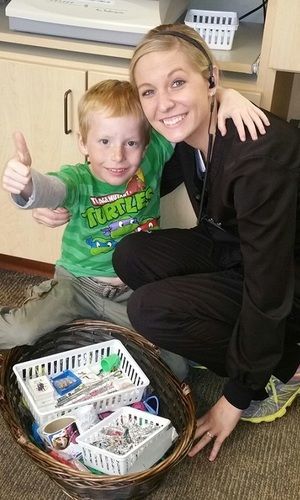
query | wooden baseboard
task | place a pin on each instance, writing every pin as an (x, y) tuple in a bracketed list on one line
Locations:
[(26, 266)]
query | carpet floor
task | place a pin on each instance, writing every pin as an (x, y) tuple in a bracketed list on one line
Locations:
[(260, 462)]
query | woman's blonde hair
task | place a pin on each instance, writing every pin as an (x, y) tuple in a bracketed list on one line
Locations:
[(115, 98), (199, 57)]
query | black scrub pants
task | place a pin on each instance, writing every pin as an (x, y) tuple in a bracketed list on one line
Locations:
[(184, 301)]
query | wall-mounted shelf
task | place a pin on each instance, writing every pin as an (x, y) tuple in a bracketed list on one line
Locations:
[(245, 51)]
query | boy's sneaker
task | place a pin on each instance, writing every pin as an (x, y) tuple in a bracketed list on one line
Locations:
[(177, 364), (280, 396)]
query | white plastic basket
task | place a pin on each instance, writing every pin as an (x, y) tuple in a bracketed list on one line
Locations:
[(75, 359), (217, 28), (139, 458)]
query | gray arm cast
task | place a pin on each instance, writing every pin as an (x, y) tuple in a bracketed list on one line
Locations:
[(48, 192)]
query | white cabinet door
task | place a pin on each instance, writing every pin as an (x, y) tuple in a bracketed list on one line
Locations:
[(97, 76), (32, 100)]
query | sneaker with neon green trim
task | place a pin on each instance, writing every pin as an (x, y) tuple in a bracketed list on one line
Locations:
[(193, 364), (280, 397)]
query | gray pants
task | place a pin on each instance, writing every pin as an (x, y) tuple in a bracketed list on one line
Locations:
[(58, 301), (64, 298)]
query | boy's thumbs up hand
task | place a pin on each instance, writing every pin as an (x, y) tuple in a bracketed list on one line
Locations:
[(22, 151), (17, 176)]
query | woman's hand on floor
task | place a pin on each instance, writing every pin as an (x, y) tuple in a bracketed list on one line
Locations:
[(215, 426)]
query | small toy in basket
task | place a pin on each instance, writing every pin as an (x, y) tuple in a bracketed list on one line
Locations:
[(127, 441), (42, 391), (65, 382)]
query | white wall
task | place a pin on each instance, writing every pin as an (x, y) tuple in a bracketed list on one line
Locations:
[(176, 209)]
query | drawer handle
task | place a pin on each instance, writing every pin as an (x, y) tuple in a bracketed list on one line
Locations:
[(67, 130)]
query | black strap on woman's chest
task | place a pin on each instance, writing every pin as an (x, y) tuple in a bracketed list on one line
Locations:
[(203, 176)]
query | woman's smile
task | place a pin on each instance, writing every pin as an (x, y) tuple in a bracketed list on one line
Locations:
[(174, 120)]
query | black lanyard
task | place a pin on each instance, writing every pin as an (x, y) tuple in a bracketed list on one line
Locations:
[(205, 177)]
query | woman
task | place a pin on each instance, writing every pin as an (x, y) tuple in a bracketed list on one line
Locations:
[(189, 283), (226, 293)]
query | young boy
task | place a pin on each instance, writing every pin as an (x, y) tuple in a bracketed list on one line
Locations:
[(115, 192)]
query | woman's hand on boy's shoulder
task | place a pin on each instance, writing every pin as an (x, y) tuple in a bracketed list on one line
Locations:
[(51, 217)]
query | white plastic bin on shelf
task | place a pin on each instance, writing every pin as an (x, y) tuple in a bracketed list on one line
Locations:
[(76, 359), (217, 28), (141, 457)]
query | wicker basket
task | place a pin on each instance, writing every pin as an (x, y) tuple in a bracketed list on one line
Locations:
[(176, 403)]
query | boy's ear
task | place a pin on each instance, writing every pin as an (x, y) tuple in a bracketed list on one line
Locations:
[(145, 150), (81, 145)]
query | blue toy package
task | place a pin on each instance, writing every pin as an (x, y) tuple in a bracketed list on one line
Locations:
[(36, 435), (65, 382)]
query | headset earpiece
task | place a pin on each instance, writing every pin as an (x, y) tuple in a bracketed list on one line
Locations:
[(211, 81)]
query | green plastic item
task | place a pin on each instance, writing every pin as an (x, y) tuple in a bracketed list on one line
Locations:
[(110, 363)]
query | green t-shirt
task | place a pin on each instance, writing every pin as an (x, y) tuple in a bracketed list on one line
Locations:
[(102, 214)]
